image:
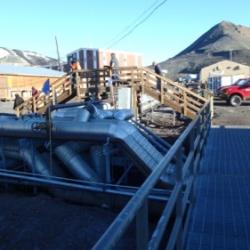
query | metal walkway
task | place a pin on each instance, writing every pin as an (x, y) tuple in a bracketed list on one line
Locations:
[(220, 218)]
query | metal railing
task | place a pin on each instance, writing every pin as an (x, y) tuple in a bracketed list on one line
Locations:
[(191, 143)]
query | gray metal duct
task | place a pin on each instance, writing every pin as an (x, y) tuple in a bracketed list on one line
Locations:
[(73, 114), (76, 164), (35, 162), (79, 146), (22, 150), (142, 152), (98, 160)]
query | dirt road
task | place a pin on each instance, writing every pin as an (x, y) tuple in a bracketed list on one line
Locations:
[(227, 115)]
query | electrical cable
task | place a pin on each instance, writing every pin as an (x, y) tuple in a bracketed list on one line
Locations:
[(138, 24), (131, 24)]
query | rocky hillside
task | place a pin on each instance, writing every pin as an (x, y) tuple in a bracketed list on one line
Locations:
[(24, 58), (223, 41)]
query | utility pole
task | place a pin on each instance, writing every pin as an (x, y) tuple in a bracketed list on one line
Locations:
[(58, 56)]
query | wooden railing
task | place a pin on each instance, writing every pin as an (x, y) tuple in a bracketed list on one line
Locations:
[(141, 80), (59, 90), (172, 94), (92, 81)]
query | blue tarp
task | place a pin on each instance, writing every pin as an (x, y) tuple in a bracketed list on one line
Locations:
[(46, 87)]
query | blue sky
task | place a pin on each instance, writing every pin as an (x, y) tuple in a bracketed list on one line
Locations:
[(33, 24)]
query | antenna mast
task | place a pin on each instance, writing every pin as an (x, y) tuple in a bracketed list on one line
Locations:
[(58, 56)]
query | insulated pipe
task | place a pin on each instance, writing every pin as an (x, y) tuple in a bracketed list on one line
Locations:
[(78, 147), (76, 164), (37, 162), (12, 154), (24, 152), (97, 130), (144, 155)]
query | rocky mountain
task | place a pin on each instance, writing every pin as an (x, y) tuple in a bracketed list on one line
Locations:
[(223, 41), (24, 58)]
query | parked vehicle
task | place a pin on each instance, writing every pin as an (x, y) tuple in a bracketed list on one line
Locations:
[(236, 93)]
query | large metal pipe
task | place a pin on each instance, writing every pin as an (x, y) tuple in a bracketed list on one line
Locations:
[(93, 130), (76, 164), (40, 164), (143, 153), (24, 150)]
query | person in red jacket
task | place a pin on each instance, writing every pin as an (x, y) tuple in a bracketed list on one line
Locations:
[(35, 92)]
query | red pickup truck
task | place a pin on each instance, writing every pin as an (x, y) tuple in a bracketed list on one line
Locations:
[(236, 93)]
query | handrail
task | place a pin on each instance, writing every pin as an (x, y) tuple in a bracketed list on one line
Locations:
[(143, 79), (172, 94), (175, 84), (31, 104), (198, 128)]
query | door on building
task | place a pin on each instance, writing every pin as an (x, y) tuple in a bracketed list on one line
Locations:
[(214, 83)]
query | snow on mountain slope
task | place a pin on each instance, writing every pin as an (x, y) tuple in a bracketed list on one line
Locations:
[(24, 58)]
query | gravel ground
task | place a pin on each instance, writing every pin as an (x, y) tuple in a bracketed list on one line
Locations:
[(227, 115), (44, 223)]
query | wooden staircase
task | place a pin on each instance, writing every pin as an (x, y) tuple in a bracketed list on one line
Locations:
[(60, 91), (141, 80), (172, 94)]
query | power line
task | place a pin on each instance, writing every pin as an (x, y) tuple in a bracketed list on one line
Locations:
[(138, 24), (132, 23)]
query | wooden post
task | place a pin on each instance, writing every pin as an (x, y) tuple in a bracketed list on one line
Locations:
[(132, 76), (53, 96), (134, 100), (78, 94), (34, 104), (18, 112), (212, 106), (142, 80), (185, 105), (162, 89)]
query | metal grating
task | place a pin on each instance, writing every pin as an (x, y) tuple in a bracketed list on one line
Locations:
[(220, 218)]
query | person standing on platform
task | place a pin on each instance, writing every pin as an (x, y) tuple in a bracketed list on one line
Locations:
[(18, 101), (114, 65), (158, 71)]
